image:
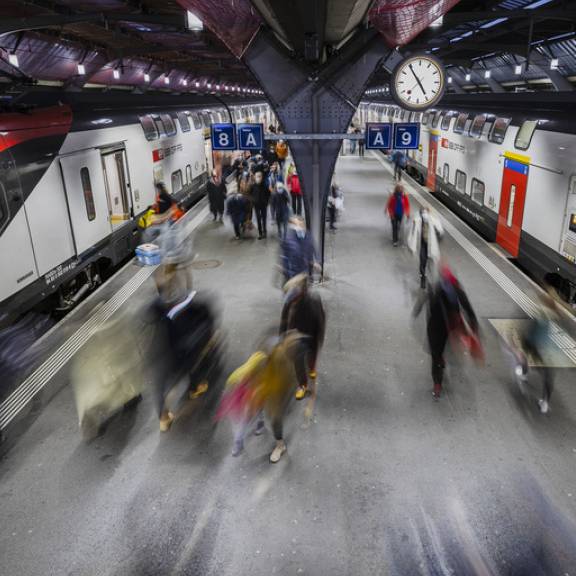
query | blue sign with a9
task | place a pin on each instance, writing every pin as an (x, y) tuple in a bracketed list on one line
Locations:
[(406, 136)]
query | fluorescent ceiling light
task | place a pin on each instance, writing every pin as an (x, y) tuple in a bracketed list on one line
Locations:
[(537, 4), (81, 69), (185, 82), (208, 85), (146, 77), (193, 22), (13, 59), (449, 79), (554, 64), (116, 73), (437, 23), (493, 23), (197, 84), (468, 77), (166, 80), (518, 69), (487, 74)]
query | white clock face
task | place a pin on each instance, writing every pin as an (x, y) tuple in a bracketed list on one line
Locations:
[(418, 82)]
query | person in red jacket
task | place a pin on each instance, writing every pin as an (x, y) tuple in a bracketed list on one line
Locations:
[(293, 182), (398, 206)]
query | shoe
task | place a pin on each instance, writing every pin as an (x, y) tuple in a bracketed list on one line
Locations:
[(279, 449), (200, 389), (166, 421), (260, 237), (437, 391), (313, 374), (238, 448), (300, 392), (543, 406), (395, 244), (260, 428)]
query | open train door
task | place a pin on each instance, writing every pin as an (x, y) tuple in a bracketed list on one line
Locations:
[(87, 201), (432, 160), (512, 200)]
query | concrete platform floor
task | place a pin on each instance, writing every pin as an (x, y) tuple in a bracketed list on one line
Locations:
[(386, 481)]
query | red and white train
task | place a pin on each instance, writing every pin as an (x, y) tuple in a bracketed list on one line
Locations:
[(510, 176), (75, 179)]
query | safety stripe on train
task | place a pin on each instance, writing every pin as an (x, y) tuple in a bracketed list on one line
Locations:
[(17, 401), (565, 342)]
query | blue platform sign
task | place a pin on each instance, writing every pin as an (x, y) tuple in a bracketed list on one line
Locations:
[(406, 136), (223, 136), (250, 136), (378, 135)]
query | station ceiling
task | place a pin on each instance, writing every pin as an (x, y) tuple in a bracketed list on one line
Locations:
[(151, 46)]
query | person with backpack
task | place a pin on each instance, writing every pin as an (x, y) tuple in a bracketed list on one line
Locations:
[(399, 164), (449, 313), (297, 250), (424, 240), (398, 206)]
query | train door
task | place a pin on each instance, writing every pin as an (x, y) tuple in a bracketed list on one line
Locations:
[(512, 199), (568, 241), (117, 184), (432, 161), (86, 193)]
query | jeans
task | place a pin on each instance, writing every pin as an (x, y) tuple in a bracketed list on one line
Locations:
[(282, 224), (261, 215), (397, 172), (396, 223)]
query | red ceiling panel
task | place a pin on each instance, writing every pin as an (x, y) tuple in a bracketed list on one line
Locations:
[(234, 21), (399, 21)]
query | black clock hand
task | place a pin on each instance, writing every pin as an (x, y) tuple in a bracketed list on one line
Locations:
[(417, 79)]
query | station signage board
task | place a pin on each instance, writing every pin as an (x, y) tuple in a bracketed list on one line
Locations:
[(250, 136), (223, 136), (406, 136), (378, 136)]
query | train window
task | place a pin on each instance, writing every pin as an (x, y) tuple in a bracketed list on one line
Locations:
[(197, 122), (88, 195), (205, 120), (183, 119), (460, 181), (477, 191), (149, 128), (436, 119), (446, 120), (416, 116), (511, 206), (446, 173), (188, 174), (498, 131), (460, 123), (477, 125), (524, 135), (572, 224), (425, 118), (159, 126), (176, 181), (169, 125)]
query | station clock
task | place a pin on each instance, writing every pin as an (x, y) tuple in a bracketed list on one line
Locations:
[(418, 82)]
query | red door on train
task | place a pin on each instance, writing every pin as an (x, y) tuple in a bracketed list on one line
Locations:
[(512, 199), (432, 161)]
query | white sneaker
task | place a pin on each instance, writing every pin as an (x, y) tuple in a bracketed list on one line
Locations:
[(543, 406), (279, 449)]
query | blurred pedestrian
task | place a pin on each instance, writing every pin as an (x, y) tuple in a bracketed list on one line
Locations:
[(334, 204), (352, 141), (297, 250), (536, 344), (449, 313), (261, 197), (236, 208), (245, 189), (360, 143), (398, 206), (293, 183), (424, 239), (274, 176), (399, 159), (216, 189), (303, 311), (281, 153), (280, 204)]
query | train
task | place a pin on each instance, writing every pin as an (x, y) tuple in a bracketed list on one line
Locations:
[(511, 176), (74, 179)]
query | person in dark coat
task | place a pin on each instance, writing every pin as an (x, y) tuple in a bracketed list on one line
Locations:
[(280, 201), (260, 196), (303, 311), (216, 196), (236, 207), (297, 250), (446, 302)]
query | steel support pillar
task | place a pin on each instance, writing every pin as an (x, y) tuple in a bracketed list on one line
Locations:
[(309, 101)]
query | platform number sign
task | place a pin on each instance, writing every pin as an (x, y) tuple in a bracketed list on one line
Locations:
[(406, 136), (223, 137), (250, 136), (378, 135)]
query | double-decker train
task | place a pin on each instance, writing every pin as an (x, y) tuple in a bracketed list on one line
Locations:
[(510, 176), (74, 180)]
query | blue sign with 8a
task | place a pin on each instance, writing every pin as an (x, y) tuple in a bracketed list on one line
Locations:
[(223, 136)]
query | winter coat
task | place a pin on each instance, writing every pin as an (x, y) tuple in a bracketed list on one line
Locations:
[(297, 254), (280, 203), (392, 204), (216, 195), (304, 313), (435, 233), (294, 185), (260, 194)]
